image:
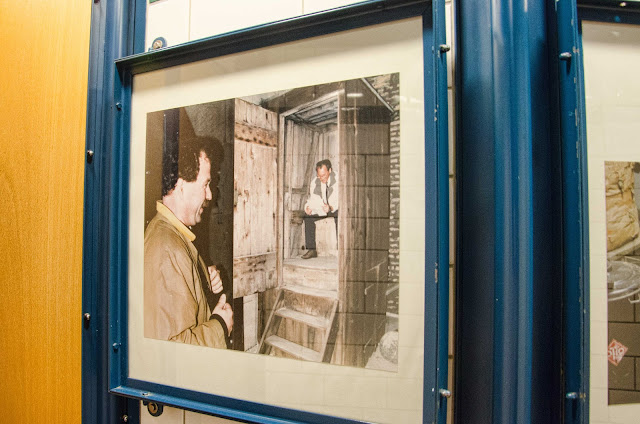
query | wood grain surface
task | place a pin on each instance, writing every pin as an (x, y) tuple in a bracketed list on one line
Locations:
[(43, 81)]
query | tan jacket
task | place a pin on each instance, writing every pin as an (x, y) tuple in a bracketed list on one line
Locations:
[(175, 307)]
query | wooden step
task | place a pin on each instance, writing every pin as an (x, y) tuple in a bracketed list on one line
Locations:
[(310, 320), (293, 349), (316, 264), (311, 291), (321, 273)]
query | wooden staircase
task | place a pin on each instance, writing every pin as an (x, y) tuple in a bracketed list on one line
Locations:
[(301, 324)]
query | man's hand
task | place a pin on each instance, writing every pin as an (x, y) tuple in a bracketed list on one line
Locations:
[(308, 210), (326, 208), (214, 280), (224, 310)]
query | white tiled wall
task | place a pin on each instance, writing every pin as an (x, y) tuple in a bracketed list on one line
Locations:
[(210, 17), (180, 21), (449, 8), (168, 19)]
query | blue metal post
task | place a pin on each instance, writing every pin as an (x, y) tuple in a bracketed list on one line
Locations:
[(509, 217), (111, 26)]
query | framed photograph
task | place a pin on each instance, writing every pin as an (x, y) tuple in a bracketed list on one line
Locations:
[(284, 212), (622, 183)]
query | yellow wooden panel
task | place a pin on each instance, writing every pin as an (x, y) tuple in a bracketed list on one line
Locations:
[(43, 84)]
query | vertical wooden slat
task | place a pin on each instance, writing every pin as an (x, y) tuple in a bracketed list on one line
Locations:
[(42, 128)]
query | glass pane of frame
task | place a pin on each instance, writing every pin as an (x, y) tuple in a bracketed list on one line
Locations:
[(291, 183)]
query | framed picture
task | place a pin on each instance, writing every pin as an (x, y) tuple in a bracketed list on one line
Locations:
[(622, 182), (283, 211)]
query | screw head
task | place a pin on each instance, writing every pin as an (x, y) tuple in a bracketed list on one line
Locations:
[(158, 43)]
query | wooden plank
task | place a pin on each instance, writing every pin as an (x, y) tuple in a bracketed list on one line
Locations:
[(240, 110), (370, 233), (243, 168), (344, 240), (326, 239), (260, 198), (366, 265), (353, 171), (255, 134), (365, 202), (297, 333), (280, 247), (255, 174), (322, 277), (308, 162), (286, 151), (254, 274), (269, 308), (256, 203), (307, 319), (250, 320), (326, 294), (272, 200), (377, 234), (297, 159), (378, 170), (365, 139), (294, 349), (332, 148)]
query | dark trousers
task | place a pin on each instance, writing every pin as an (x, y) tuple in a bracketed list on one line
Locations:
[(310, 228)]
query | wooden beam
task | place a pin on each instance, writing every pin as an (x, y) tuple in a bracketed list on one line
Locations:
[(253, 134), (254, 274)]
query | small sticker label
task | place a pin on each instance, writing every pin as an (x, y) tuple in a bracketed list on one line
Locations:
[(616, 352)]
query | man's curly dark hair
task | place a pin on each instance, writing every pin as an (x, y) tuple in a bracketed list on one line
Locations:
[(183, 163)]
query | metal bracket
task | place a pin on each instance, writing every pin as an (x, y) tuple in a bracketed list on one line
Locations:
[(155, 409)]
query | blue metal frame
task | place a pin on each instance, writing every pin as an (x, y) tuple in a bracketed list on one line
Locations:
[(575, 189), (118, 36), (113, 35), (575, 218)]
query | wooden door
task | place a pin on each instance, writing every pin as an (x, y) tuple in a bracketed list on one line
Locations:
[(42, 127), (254, 216)]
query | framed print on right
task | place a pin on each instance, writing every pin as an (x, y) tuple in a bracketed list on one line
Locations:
[(612, 102)]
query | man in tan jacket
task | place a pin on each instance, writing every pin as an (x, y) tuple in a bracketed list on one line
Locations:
[(176, 280)]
